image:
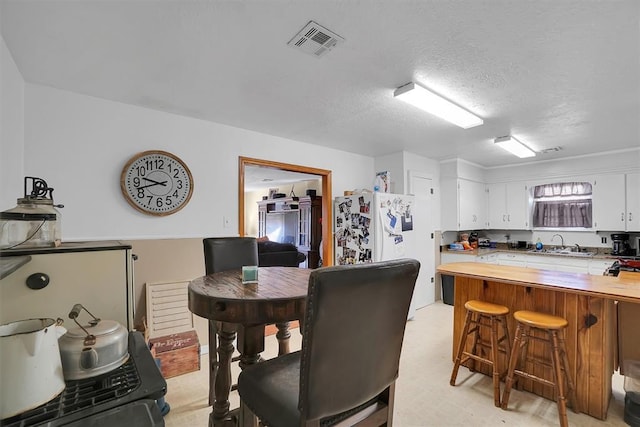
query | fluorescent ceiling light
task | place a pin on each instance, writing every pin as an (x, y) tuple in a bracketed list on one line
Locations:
[(428, 101), (514, 146)]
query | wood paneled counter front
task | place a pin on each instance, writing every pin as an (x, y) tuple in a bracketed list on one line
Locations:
[(586, 301)]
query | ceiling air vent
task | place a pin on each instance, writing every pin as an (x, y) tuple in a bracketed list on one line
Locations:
[(314, 39)]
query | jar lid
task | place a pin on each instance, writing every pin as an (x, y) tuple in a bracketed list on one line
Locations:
[(31, 200), (24, 216)]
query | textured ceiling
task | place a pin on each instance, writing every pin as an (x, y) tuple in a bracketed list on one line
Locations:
[(562, 73)]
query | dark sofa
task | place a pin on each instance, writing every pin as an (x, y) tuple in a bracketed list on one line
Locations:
[(272, 254)]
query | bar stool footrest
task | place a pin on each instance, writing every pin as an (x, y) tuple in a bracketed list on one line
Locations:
[(533, 378)]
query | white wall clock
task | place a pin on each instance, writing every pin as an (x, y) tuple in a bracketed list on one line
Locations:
[(156, 182)]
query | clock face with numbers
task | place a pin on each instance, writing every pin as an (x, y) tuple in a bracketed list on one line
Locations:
[(156, 183)]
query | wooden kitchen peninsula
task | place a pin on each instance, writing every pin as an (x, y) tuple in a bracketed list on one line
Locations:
[(586, 301)]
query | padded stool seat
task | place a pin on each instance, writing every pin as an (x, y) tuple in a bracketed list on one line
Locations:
[(550, 326), (489, 315)]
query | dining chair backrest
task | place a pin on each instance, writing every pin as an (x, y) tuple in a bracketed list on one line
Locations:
[(221, 254), (229, 253), (353, 332)]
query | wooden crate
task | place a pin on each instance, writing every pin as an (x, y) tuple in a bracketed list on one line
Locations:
[(178, 353)]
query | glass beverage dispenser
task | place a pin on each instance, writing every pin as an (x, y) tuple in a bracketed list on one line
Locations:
[(34, 222)]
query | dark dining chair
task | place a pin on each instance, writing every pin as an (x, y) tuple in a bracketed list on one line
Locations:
[(221, 254), (351, 342)]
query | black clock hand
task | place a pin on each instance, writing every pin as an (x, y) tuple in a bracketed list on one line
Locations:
[(163, 183), (151, 185)]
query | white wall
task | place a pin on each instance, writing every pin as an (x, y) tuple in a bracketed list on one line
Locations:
[(400, 163), (79, 145), (459, 168), (415, 163), (11, 130), (394, 164)]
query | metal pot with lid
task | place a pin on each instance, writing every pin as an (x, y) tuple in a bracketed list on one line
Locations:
[(94, 348)]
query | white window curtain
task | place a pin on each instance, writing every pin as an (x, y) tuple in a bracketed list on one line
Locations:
[(562, 189), (563, 205)]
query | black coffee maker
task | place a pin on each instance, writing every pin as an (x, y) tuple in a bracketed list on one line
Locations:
[(620, 242)]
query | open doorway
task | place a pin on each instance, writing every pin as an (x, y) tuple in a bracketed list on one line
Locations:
[(325, 175)]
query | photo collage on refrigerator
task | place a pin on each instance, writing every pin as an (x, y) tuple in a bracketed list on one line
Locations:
[(355, 218)]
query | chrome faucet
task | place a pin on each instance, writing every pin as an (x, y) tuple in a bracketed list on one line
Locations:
[(561, 239), (578, 248)]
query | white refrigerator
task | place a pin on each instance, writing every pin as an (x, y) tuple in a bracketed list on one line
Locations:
[(371, 227)]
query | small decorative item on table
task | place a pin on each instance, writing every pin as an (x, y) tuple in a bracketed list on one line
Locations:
[(249, 274)]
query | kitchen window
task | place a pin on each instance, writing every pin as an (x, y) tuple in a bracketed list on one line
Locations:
[(562, 205)]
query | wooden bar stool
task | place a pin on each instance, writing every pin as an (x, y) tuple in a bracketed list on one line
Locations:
[(483, 314), (550, 326)]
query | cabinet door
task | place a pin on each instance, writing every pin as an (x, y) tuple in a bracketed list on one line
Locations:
[(448, 257), (516, 260), (542, 262), (598, 266), (571, 265), (472, 205), (633, 202), (487, 259), (517, 200), (497, 206), (609, 211)]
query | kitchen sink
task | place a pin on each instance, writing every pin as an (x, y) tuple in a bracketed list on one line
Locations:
[(563, 251)]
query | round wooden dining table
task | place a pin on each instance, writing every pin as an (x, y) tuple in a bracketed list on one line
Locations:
[(241, 311)]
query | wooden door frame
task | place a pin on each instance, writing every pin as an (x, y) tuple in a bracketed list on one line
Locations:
[(327, 237)]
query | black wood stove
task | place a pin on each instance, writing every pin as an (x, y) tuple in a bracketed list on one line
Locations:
[(123, 397)]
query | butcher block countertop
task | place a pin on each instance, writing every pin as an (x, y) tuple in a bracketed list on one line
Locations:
[(622, 288)]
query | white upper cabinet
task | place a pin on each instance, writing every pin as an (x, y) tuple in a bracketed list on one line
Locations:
[(497, 205), (473, 205), (616, 202), (633, 202), (464, 205), (507, 206)]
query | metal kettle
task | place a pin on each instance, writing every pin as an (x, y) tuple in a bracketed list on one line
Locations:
[(94, 348)]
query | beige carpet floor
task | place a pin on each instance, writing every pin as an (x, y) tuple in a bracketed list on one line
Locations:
[(423, 394)]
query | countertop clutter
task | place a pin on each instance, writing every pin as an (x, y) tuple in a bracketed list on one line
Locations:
[(586, 252)]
